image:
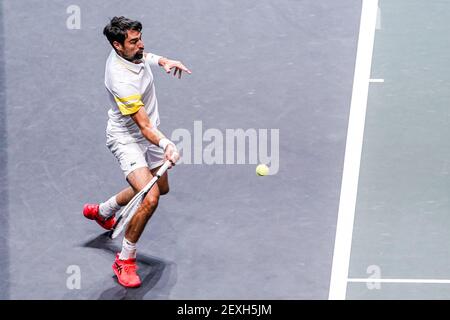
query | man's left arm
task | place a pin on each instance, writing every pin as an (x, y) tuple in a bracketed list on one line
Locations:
[(167, 64)]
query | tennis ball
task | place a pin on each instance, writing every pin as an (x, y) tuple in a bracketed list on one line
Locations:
[(262, 170)]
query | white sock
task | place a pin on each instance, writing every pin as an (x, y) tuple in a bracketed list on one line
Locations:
[(128, 250), (109, 207)]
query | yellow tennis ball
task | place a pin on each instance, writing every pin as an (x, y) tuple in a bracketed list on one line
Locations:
[(262, 170)]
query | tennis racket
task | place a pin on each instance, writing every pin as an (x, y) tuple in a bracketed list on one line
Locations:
[(128, 212)]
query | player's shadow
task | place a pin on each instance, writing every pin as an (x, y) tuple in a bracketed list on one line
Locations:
[(158, 276)]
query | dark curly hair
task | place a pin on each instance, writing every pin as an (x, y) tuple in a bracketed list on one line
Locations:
[(116, 29)]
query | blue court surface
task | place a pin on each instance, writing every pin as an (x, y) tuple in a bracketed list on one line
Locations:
[(346, 101)]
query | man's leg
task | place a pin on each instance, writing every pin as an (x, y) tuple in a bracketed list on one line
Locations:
[(110, 207), (125, 264), (138, 179), (125, 196)]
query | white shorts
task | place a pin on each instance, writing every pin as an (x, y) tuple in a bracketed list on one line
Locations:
[(134, 155)]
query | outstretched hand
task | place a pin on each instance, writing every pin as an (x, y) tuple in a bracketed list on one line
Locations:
[(168, 65)]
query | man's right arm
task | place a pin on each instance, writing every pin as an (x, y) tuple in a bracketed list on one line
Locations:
[(149, 132), (155, 136)]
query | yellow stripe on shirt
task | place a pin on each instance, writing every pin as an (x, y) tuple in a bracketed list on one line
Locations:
[(129, 108), (129, 98)]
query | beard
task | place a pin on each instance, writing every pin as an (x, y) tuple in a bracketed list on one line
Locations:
[(138, 56), (135, 58)]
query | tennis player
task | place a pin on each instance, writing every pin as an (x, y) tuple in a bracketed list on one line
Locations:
[(133, 137)]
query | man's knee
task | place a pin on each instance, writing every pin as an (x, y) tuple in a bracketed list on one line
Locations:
[(150, 203)]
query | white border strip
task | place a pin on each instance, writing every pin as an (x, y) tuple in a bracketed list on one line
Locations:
[(349, 188), (378, 280), (376, 80)]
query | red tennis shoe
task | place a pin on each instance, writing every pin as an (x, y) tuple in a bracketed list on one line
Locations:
[(125, 271), (92, 212)]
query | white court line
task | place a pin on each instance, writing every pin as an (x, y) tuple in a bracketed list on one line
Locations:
[(376, 80), (378, 280), (355, 132)]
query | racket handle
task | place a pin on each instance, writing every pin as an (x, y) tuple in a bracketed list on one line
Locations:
[(158, 175), (163, 169)]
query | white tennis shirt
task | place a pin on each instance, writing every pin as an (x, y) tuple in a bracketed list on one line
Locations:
[(130, 87)]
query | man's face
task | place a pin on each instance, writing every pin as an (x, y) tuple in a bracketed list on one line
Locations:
[(132, 48)]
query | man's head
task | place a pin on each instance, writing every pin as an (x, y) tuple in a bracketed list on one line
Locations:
[(125, 37)]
